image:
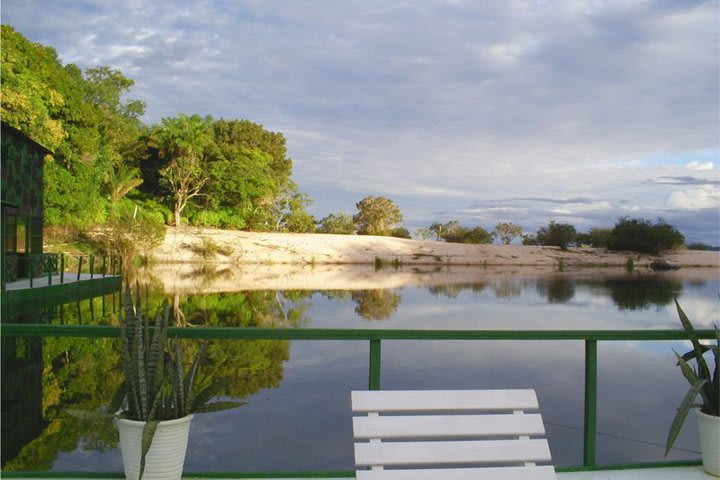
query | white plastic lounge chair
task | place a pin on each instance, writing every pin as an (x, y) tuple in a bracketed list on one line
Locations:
[(449, 435)]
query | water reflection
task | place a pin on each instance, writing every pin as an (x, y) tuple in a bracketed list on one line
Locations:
[(376, 304), (556, 289), (297, 415)]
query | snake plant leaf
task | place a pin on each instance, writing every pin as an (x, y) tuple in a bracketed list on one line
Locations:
[(190, 379), (219, 406), (703, 371), (142, 380), (692, 377), (207, 393), (682, 412), (118, 399), (180, 392), (704, 348), (147, 438), (155, 365)]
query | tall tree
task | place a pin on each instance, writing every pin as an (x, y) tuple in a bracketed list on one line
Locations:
[(376, 216), (182, 142), (507, 232)]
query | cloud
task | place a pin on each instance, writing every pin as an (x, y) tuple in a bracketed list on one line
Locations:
[(695, 165), (684, 180), (695, 198), (436, 105)]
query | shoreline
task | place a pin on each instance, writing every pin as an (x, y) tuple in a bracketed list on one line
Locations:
[(193, 245), (279, 261)]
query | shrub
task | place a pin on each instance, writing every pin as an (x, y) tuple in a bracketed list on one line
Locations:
[(222, 218), (596, 237), (640, 235), (400, 232), (340, 223), (557, 235)]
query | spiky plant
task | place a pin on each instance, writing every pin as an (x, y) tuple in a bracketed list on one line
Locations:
[(702, 381), (156, 386)]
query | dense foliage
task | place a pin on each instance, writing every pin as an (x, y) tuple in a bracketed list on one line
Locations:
[(186, 169), (643, 236), (376, 216), (556, 235), (453, 232)]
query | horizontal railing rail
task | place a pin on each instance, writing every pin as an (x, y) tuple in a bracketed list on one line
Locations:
[(58, 268), (375, 338)]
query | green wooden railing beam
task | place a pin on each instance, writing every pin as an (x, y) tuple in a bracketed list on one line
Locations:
[(590, 403), (375, 364), (229, 333)]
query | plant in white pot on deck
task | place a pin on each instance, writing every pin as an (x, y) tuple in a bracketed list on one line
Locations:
[(156, 402), (705, 383)]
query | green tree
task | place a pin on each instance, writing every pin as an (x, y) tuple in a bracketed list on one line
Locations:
[(556, 234), (507, 232), (400, 232), (376, 216), (182, 142), (640, 235), (340, 223), (477, 235)]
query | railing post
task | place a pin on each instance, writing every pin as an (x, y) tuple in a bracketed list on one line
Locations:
[(104, 270), (62, 268), (92, 264), (374, 376), (590, 403), (31, 268), (79, 267)]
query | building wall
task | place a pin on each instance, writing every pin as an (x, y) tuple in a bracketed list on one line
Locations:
[(21, 192)]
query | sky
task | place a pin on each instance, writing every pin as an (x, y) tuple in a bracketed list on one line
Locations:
[(524, 111)]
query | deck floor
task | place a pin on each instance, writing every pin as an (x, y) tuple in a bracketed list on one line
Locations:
[(38, 282)]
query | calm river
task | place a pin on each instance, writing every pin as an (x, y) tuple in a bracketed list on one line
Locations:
[(297, 392)]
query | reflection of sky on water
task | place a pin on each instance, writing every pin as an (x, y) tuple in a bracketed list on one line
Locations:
[(304, 423)]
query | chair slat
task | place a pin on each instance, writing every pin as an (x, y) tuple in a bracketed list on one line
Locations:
[(438, 426), (545, 472), (443, 400), (451, 452)]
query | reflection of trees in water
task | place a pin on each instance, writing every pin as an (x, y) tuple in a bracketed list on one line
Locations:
[(556, 289), (377, 304), (259, 308), (638, 292), (74, 373), (84, 373), (453, 290), (508, 287)]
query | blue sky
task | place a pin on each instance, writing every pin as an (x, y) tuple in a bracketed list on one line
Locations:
[(523, 111)]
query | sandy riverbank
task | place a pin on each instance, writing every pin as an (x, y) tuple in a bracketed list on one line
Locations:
[(194, 245), (248, 261)]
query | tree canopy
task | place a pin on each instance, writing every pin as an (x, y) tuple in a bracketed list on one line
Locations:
[(229, 173), (376, 216)]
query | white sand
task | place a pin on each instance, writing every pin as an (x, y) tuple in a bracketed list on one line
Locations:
[(317, 262)]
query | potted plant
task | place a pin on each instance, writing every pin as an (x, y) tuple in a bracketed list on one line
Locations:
[(157, 400), (705, 383)]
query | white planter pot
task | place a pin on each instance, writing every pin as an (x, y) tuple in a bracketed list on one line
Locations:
[(164, 460), (709, 427)]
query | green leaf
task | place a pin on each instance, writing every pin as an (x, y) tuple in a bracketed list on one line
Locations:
[(205, 395), (219, 406), (190, 379), (703, 371), (118, 398), (682, 412), (147, 437)]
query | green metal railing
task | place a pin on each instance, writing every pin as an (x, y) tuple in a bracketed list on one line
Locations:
[(375, 338), (34, 266)]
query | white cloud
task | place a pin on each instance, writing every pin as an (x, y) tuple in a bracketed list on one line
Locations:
[(695, 165), (707, 196), (443, 104)]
